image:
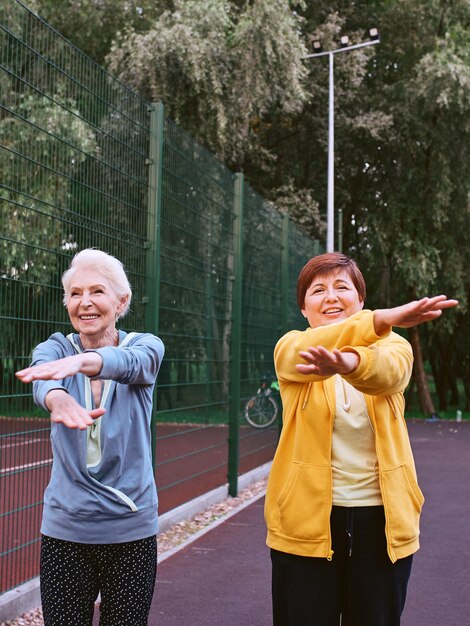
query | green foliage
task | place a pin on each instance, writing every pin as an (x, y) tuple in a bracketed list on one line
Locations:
[(222, 71), (231, 73), (301, 207), (92, 25), (55, 137)]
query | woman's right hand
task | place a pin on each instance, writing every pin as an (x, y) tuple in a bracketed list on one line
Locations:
[(65, 410), (88, 363), (322, 362)]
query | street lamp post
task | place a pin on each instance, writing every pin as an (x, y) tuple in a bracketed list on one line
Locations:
[(345, 47)]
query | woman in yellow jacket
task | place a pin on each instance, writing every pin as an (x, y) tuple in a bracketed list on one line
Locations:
[(343, 502)]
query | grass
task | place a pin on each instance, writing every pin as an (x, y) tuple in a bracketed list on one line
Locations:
[(213, 416), (191, 417), (449, 414)]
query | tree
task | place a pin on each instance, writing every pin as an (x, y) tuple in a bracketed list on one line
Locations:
[(301, 207), (415, 208), (222, 70), (231, 73), (36, 168), (401, 147), (93, 25)]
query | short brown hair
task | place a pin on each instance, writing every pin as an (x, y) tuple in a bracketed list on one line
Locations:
[(329, 263)]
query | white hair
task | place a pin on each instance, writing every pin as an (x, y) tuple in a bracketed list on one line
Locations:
[(105, 264)]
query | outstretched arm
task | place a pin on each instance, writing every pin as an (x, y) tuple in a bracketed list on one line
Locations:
[(412, 313), (88, 363), (322, 362), (63, 407)]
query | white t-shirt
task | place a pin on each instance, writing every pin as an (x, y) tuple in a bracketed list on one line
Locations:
[(353, 455)]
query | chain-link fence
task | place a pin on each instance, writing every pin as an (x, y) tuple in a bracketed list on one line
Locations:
[(85, 162)]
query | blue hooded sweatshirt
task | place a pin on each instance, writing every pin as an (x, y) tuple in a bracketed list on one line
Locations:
[(102, 488)]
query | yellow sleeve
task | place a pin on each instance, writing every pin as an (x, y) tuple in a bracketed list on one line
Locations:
[(356, 331), (384, 367)]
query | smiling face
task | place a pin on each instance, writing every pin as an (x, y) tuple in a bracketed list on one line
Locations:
[(331, 298), (92, 306)]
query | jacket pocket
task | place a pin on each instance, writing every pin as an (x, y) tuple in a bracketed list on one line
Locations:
[(404, 501), (304, 502)]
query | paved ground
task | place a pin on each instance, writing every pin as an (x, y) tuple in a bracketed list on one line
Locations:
[(223, 578), (439, 591)]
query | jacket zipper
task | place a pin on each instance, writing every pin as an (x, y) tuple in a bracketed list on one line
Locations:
[(329, 556), (95, 428), (332, 417)]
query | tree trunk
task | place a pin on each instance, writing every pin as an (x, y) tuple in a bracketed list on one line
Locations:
[(419, 374), (440, 382), (466, 386), (410, 394)]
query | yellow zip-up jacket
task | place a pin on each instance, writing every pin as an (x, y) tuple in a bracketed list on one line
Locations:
[(299, 493)]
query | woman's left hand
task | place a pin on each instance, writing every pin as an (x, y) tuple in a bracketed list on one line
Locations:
[(322, 362), (412, 313)]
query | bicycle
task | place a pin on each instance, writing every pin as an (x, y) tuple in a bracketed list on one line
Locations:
[(262, 409)]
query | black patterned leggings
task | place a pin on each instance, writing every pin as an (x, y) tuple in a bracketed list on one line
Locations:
[(72, 575)]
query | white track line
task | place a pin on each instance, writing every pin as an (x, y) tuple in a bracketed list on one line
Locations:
[(17, 468), (26, 442)]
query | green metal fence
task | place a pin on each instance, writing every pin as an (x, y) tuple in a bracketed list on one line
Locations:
[(84, 161)]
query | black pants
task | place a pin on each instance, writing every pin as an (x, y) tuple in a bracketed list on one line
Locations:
[(72, 575), (360, 583)]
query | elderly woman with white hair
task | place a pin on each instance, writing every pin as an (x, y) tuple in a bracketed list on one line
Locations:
[(100, 508)]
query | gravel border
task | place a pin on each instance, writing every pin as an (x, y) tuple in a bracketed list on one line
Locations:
[(175, 536)]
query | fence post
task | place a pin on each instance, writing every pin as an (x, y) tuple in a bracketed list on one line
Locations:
[(155, 172), (233, 438), (285, 275)]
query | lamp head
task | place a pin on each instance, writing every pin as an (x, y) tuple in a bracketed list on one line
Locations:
[(316, 45)]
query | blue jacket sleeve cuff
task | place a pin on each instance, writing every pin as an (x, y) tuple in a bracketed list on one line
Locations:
[(42, 387)]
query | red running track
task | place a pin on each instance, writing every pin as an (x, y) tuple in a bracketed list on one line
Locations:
[(191, 460)]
